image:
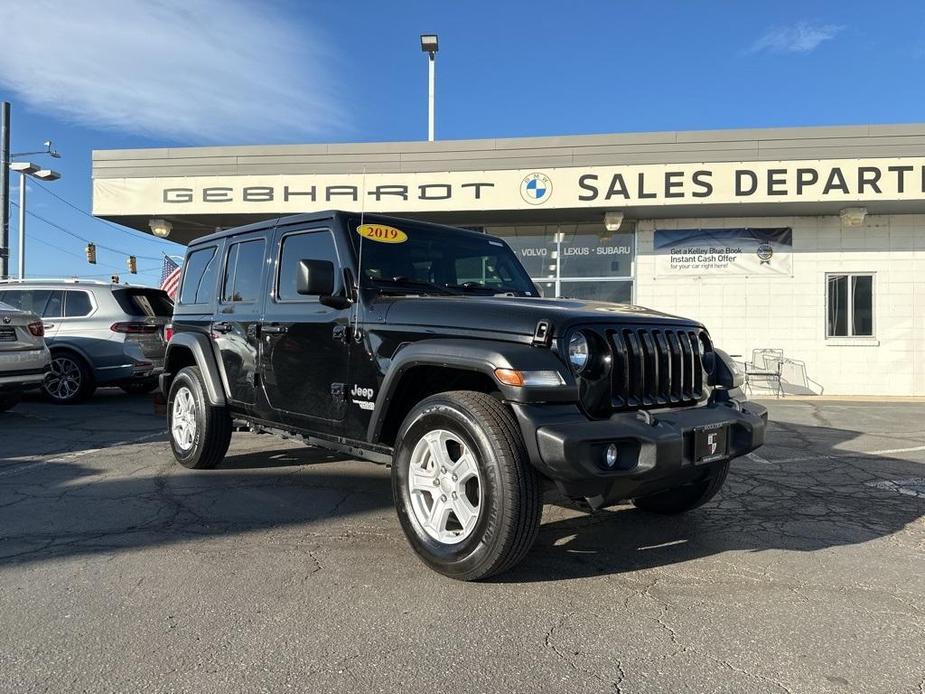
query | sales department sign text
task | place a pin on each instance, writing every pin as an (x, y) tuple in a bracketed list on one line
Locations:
[(851, 180)]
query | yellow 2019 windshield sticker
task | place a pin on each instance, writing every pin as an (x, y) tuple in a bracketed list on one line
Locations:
[(382, 233)]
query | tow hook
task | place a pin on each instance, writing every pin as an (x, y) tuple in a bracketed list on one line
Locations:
[(646, 417)]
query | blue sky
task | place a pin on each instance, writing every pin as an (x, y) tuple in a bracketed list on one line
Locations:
[(98, 74)]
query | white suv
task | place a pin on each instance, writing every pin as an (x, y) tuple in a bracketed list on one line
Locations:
[(98, 333), (24, 358)]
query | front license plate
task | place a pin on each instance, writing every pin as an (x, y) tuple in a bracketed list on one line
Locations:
[(711, 443)]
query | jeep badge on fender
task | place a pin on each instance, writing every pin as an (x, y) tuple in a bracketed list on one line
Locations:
[(476, 390)]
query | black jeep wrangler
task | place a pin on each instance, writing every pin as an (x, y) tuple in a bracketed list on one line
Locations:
[(429, 348)]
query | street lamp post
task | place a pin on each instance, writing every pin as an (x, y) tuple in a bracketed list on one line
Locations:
[(4, 189), (429, 46), (25, 170)]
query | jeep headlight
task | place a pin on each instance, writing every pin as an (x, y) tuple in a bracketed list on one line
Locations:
[(579, 352)]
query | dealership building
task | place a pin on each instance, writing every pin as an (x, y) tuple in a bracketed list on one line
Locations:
[(801, 249)]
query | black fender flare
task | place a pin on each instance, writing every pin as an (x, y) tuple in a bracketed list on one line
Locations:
[(201, 348), (483, 356)]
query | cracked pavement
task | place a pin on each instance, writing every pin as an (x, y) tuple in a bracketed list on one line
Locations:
[(286, 569)]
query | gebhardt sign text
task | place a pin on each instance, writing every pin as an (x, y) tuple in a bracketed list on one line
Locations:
[(850, 180)]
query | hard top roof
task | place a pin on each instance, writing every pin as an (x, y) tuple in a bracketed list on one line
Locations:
[(295, 219)]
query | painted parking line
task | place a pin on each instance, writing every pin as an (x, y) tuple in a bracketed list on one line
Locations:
[(912, 486), (845, 456), (69, 457)]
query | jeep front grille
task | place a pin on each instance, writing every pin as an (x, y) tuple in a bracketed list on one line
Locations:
[(654, 367)]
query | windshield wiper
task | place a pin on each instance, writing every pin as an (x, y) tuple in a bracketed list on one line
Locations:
[(479, 287), (403, 282)]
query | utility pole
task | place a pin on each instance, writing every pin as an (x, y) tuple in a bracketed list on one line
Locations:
[(4, 190)]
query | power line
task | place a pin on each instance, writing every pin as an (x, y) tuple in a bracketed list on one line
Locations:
[(75, 255), (78, 236), (134, 233)]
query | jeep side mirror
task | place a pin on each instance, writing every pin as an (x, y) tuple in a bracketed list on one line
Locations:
[(316, 278)]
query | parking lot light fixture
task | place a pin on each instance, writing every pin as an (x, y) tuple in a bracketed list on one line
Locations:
[(27, 169), (429, 46), (24, 167)]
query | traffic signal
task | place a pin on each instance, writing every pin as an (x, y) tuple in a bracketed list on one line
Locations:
[(91, 253), (132, 265)]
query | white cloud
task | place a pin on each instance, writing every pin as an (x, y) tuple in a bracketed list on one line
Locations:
[(802, 37), (204, 71)]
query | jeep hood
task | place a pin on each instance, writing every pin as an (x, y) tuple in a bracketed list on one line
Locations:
[(504, 314)]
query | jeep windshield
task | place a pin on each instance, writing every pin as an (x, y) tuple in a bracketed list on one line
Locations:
[(407, 258)]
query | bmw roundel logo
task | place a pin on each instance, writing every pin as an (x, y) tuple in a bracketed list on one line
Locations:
[(536, 188)]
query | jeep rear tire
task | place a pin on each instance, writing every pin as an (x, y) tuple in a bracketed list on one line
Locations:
[(467, 497), (686, 497), (199, 432)]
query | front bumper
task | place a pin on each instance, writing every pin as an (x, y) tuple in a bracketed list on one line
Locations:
[(656, 449)]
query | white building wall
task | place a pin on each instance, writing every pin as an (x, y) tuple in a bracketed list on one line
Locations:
[(746, 312)]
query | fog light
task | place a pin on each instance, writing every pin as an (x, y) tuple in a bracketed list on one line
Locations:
[(610, 458)]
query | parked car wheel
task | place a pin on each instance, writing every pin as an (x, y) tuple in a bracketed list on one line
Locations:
[(70, 379), (468, 500), (8, 401), (686, 497), (199, 432), (139, 387)]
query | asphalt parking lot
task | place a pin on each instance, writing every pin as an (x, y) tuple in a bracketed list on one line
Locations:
[(286, 569)]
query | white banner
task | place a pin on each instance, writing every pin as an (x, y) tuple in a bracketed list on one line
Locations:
[(612, 187), (723, 252)]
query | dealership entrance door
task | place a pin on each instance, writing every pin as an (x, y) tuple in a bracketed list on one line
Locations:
[(580, 261)]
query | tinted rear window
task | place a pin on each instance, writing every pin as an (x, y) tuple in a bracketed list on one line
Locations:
[(32, 300), (144, 302), (77, 304), (199, 276), (242, 271)]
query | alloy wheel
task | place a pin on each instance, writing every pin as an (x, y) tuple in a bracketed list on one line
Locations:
[(183, 419), (445, 486), (64, 380)]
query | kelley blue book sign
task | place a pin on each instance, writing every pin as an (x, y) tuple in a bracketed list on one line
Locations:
[(723, 252)]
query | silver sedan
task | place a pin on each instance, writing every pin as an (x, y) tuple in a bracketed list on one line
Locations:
[(24, 358)]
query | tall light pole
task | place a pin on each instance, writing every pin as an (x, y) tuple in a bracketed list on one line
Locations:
[(4, 190), (429, 46), (25, 170)]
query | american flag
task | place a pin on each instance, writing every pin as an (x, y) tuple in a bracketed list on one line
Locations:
[(170, 277)]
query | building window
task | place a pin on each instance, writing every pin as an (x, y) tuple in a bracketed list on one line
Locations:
[(850, 305), (580, 261)]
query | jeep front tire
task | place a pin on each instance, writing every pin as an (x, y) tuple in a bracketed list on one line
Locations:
[(467, 498), (199, 432)]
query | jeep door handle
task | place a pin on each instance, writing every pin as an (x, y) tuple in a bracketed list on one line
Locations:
[(222, 327), (274, 329)]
